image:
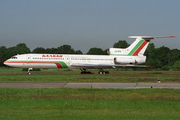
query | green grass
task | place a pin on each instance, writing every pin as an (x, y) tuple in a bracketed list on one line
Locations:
[(88, 104), (105, 104), (63, 75)]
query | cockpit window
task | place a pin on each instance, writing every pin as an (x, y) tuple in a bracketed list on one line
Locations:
[(13, 57)]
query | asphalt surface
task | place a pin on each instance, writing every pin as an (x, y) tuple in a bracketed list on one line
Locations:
[(92, 85)]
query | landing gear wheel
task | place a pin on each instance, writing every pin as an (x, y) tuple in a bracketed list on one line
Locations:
[(106, 72), (28, 73), (100, 72), (103, 72)]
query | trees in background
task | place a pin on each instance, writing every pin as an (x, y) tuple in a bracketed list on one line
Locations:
[(3, 49), (176, 65), (121, 44), (6, 53), (39, 50), (96, 51), (174, 56), (161, 57), (64, 49)]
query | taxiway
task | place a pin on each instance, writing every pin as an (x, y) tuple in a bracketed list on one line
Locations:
[(91, 85)]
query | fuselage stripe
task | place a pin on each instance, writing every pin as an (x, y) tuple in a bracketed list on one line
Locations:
[(56, 63)]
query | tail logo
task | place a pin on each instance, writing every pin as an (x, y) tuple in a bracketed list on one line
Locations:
[(138, 47)]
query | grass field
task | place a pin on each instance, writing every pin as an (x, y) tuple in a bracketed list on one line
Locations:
[(61, 75), (88, 104)]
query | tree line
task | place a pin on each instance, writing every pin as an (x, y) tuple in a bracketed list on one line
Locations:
[(159, 58)]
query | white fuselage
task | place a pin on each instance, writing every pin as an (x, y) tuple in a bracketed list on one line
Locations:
[(71, 61)]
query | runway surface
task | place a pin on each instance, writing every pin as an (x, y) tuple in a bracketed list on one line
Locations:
[(91, 85)]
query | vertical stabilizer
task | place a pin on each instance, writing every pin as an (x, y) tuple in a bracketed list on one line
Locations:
[(137, 48), (141, 43)]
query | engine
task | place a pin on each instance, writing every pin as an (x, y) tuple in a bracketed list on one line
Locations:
[(129, 60), (123, 60)]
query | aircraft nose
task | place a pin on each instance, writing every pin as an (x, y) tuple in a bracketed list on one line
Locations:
[(5, 63)]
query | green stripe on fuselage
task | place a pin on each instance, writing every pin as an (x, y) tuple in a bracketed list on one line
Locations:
[(63, 64)]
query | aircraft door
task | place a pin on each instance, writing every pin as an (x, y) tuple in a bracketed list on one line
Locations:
[(67, 60), (28, 58)]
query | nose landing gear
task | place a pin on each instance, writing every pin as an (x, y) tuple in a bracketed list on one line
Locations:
[(29, 71)]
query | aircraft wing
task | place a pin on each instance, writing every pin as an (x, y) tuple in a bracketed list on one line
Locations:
[(108, 66)]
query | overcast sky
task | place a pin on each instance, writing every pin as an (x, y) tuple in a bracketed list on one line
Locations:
[(84, 24)]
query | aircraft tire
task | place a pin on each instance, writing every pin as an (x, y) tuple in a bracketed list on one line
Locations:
[(82, 72), (107, 72), (103, 72), (100, 72)]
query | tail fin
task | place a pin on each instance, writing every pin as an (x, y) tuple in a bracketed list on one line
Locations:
[(140, 44), (137, 48)]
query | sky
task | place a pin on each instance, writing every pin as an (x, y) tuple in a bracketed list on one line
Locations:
[(84, 24)]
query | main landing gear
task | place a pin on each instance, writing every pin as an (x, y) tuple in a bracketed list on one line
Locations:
[(29, 71), (101, 71), (83, 71)]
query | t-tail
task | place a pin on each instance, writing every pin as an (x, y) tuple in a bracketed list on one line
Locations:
[(137, 48)]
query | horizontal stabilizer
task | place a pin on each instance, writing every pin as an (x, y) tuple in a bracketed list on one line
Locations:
[(150, 37)]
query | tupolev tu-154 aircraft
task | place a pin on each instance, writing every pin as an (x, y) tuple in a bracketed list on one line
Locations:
[(131, 56)]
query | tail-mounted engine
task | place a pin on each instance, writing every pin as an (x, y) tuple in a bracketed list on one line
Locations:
[(123, 60), (129, 60)]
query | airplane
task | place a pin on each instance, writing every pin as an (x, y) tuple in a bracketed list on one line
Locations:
[(131, 56)]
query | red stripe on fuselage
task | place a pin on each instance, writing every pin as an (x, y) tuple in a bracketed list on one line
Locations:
[(57, 64), (140, 48)]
